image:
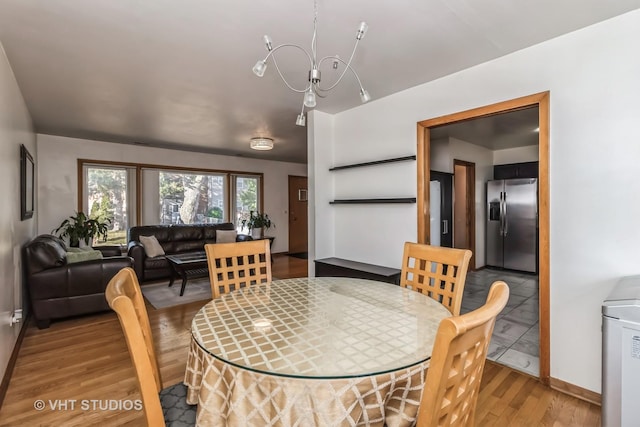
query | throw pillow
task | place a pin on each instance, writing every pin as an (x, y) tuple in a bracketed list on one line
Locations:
[(82, 255), (151, 246), (226, 236)]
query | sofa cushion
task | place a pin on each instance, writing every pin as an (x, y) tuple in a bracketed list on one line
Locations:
[(226, 236), (151, 246), (188, 246), (186, 232)]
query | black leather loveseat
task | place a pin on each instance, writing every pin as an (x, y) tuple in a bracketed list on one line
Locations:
[(58, 288), (174, 239)]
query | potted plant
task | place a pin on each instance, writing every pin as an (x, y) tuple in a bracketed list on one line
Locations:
[(257, 223), (82, 229)]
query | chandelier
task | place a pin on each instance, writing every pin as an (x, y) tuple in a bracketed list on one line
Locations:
[(314, 88)]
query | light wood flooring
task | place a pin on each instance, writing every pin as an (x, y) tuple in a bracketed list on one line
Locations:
[(86, 358)]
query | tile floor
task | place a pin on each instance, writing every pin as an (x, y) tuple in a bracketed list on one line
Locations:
[(515, 340)]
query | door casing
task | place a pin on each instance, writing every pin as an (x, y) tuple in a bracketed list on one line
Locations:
[(423, 165), (298, 217)]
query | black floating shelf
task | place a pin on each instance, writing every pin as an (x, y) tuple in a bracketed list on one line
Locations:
[(369, 201), (376, 162)]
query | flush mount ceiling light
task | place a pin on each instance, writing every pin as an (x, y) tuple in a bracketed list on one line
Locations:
[(313, 89), (262, 144)]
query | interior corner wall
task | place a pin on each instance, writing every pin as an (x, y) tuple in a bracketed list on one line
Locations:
[(16, 129), (58, 177), (320, 186), (592, 76)]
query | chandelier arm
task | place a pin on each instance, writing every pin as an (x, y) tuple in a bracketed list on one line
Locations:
[(318, 90), (275, 63), (314, 42), (337, 58), (347, 66)]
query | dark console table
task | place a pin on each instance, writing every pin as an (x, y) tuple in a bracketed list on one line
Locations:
[(338, 267)]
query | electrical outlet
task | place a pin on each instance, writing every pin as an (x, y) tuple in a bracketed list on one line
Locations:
[(16, 317)]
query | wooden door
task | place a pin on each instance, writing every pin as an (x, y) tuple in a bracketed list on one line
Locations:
[(464, 218), (297, 214)]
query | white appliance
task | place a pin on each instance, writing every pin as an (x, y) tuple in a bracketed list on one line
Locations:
[(621, 355)]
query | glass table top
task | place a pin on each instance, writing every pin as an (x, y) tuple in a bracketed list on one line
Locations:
[(325, 327)]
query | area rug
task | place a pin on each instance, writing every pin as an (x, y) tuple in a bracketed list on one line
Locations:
[(160, 295), (301, 255)]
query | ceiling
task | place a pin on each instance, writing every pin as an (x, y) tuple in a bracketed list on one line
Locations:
[(178, 74), (512, 129)]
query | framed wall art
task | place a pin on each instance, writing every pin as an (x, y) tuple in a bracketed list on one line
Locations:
[(27, 183)]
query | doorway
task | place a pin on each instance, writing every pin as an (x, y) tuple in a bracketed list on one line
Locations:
[(298, 241), (464, 217), (540, 100)]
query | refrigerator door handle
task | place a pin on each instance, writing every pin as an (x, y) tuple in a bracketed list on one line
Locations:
[(506, 223), (501, 215)]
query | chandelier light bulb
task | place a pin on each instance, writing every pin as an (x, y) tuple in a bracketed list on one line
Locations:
[(260, 68), (362, 30), (364, 96), (267, 42), (301, 120), (309, 99)]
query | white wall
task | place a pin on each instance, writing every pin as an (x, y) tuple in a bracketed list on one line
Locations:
[(516, 155), (58, 178), (320, 187), (592, 75), (15, 129)]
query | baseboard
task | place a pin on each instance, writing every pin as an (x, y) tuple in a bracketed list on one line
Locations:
[(4, 385), (575, 391)]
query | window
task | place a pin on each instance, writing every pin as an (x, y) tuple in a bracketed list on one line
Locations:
[(136, 194), (107, 195), (191, 198), (246, 197)]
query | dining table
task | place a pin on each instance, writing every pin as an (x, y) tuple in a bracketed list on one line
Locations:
[(312, 351)]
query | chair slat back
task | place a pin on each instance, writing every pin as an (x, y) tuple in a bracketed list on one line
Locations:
[(437, 272), (459, 353), (237, 265), (125, 298)]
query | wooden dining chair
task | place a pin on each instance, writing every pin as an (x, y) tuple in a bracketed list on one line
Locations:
[(160, 405), (453, 379), (237, 265), (437, 272)]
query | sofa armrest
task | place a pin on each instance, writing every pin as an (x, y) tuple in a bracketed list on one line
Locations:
[(137, 253), (243, 238)]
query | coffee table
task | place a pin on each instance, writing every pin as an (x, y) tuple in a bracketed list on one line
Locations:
[(187, 266)]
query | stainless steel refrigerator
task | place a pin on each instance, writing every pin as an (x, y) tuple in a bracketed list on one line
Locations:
[(512, 224)]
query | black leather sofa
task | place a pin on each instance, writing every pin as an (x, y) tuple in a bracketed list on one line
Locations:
[(58, 289), (174, 239)]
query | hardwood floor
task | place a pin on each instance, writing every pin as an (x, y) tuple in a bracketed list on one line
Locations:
[(79, 360)]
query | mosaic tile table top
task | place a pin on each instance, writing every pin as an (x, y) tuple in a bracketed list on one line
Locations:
[(326, 327)]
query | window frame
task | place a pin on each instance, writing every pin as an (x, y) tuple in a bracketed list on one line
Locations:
[(137, 193)]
